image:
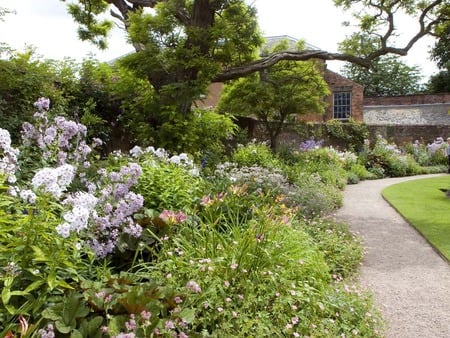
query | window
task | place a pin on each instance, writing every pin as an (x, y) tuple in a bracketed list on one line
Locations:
[(342, 105)]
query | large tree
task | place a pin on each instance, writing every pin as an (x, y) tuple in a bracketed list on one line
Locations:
[(277, 94), (386, 76), (183, 45), (441, 55)]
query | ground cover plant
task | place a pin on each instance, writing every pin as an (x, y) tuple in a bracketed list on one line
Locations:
[(142, 244), (425, 207)]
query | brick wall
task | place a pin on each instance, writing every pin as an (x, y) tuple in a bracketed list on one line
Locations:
[(407, 100), (336, 83)]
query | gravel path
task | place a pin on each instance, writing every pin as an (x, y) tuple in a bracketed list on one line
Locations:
[(409, 280)]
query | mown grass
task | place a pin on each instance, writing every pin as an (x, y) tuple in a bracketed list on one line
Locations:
[(425, 207)]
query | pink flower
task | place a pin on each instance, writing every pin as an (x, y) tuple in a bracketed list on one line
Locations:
[(193, 286), (145, 315), (206, 200), (169, 325)]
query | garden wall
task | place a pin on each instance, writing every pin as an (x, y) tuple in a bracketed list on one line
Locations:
[(418, 114), (407, 118)]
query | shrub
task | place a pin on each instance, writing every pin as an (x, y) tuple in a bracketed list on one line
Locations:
[(391, 160), (168, 182), (353, 133), (203, 133), (255, 154), (353, 178), (360, 171)]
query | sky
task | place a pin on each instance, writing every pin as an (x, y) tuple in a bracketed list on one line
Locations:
[(46, 25)]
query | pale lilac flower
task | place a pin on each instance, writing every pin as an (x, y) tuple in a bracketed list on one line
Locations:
[(48, 332), (131, 324), (96, 142), (126, 335), (169, 325), (145, 315), (193, 286), (42, 103)]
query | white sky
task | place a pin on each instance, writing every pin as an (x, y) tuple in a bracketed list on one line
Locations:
[(46, 25)]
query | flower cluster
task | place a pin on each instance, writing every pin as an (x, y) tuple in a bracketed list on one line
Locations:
[(437, 144), (106, 211), (83, 205), (172, 217), (311, 144), (54, 180), (8, 163), (61, 141), (162, 155)]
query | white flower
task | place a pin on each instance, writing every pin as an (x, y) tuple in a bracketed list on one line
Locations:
[(65, 174), (27, 196), (63, 230), (136, 151), (175, 159)]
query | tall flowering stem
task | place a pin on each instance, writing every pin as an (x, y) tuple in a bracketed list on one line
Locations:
[(105, 213), (57, 141)]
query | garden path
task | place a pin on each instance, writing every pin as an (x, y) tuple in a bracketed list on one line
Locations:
[(409, 280)]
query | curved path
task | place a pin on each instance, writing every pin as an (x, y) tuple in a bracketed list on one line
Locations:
[(409, 280)]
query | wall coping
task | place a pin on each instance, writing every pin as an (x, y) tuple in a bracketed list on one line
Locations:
[(405, 106)]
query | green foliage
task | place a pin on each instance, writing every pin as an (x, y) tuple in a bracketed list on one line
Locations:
[(255, 154), (440, 52), (37, 263), (386, 77), (323, 163), (360, 171), (254, 279), (201, 134), (353, 133), (239, 253), (439, 83), (26, 77), (342, 250), (168, 186), (277, 94), (387, 160), (90, 27)]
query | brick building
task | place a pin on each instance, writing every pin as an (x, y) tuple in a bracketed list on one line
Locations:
[(344, 102)]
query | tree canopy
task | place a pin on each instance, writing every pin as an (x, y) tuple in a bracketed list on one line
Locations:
[(440, 53), (277, 94), (182, 46), (386, 76)]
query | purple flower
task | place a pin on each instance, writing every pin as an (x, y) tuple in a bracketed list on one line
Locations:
[(42, 103)]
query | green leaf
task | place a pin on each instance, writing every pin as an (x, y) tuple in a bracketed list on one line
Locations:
[(34, 285), (51, 313), (188, 315), (76, 334), (6, 295), (39, 255), (63, 327)]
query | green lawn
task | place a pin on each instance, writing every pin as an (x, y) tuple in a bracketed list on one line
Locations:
[(425, 207)]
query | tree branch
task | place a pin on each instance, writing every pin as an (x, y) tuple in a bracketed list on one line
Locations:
[(272, 59)]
